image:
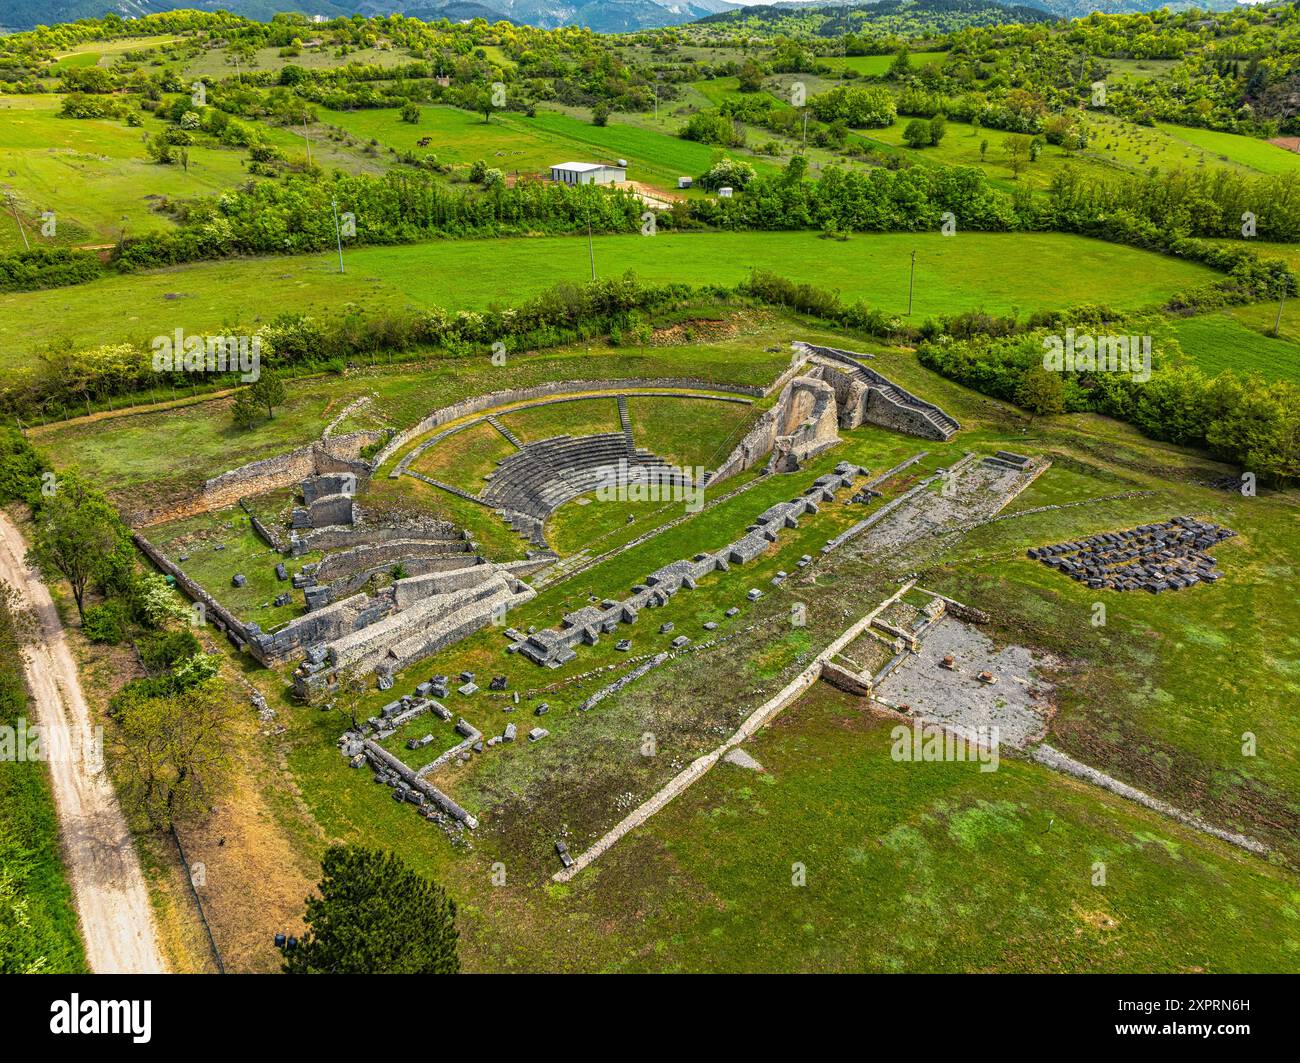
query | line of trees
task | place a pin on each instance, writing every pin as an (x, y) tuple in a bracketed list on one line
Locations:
[(1249, 421)]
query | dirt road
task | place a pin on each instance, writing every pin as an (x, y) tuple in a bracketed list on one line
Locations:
[(103, 868)]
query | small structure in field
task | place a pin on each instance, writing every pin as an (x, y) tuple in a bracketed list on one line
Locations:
[(588, 173)]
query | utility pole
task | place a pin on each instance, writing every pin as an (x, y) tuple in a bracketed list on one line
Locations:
[(591, 246), (13, 205), (305, 135), (804, 149), (338, 234), (911, 282), (1277, 323)]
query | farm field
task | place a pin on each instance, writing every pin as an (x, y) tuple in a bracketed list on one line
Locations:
[(518, 144), (1221, 341), (96, 178), (971, 271), (878, 65)]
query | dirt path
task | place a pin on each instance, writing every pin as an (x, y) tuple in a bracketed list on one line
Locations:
[(103, 868)]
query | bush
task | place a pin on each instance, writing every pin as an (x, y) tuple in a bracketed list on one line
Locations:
[(727, 173), (916, 134), (47, 267), (861, 107), (105, 623)]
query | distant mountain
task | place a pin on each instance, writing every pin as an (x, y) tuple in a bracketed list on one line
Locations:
[(905, 17), (1056, 8), (604, 16)]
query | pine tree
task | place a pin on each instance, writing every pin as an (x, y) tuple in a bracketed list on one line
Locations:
[(374, 915)]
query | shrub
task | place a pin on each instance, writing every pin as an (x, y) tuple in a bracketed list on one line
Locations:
[(105, 623)]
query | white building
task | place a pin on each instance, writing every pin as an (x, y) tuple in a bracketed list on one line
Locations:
[(588, 173)]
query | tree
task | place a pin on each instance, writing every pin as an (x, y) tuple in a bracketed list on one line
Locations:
[(600, 114), (916, 134), (1041, 392), (245, 411), (1016, 149), (171, 749), (901, 65), (410, 112), (374, 915), (751, 76), (984, 149), (76, 530), (268, 390), (938, 126)]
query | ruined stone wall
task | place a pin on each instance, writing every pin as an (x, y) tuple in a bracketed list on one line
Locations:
[(881, 411), (805, 414), (330, 511), (321, 625), (369, 556), (339, 454)]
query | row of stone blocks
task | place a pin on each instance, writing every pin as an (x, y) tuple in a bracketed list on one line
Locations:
[(552, 647)]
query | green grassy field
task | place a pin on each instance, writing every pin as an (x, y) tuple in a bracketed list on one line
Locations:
[(1221, 341), (464, 459), (582, 418), (687, 433), (998, 272), (98, 180), (515, 143), (1250, 152), (241, 551), (877, 65)]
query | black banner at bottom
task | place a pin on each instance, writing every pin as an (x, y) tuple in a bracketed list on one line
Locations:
[(149, 1012)]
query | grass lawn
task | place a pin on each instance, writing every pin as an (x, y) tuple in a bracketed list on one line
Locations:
[(581, 418), (220, 544), (464, 459), (998, 272), (1250, 152), (878, 65), (1221, 341), (689, 433)]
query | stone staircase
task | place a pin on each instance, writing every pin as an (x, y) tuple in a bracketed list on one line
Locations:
[(626, 421), (944, 426), (510, 437)]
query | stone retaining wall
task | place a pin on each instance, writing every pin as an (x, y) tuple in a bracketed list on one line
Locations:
[(479, 403)]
